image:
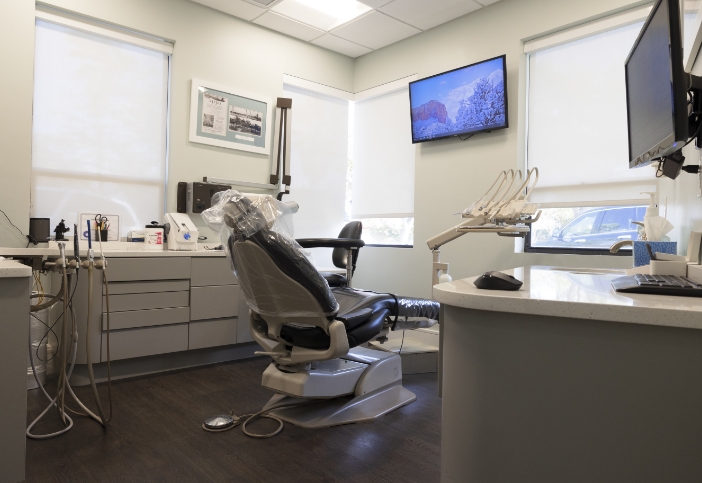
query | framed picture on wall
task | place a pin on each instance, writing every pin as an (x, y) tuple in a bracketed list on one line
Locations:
[(230, 118)]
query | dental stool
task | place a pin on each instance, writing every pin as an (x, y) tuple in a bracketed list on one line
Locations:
[(320, 375), (346, 247)]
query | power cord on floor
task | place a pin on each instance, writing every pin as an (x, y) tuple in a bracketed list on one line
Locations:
[(245, 419)]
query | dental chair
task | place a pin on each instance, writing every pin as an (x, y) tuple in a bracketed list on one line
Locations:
[(346, 247), (320, 374)]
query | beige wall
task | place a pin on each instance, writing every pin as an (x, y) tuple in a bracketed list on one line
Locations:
[(16, 59), (208, 44), (451, 174)]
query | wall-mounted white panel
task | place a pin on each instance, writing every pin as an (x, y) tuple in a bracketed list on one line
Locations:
[(340, 45), (425, 15), (288, 26), (375, 30)]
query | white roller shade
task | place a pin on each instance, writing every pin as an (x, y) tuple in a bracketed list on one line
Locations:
[(383, 158), (577, 126), (99, 133), (319, 162)]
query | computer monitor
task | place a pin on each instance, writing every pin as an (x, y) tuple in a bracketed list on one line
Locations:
[(657, 87)]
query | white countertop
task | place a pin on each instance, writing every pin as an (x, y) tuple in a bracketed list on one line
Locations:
[(112, 249), (574, 293), (12, 269)]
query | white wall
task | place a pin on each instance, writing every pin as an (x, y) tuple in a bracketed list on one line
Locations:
[(16, 55), (209, 45), (451, 174)]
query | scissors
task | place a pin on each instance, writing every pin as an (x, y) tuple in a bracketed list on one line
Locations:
[(100, 221)]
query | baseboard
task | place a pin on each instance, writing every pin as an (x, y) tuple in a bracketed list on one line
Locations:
[(142, 366)]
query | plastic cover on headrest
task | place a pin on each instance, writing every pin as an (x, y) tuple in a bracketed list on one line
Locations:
[(234, 214)]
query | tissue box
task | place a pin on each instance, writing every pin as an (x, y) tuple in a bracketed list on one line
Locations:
[(641, 256)]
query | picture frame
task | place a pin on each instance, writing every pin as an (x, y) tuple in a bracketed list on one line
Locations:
[(231, 118)]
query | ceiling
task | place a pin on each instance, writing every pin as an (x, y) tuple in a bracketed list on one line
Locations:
[(349, 27)]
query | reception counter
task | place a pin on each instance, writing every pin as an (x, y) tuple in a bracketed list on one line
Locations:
[(566, 380)]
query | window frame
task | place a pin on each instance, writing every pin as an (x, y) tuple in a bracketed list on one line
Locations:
[(566, 35)]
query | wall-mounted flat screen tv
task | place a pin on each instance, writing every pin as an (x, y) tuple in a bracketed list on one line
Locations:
[(460, 102)]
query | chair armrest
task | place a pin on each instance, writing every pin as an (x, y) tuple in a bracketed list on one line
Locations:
[(330, 242)]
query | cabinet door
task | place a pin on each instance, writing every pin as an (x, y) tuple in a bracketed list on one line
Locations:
[(212, 333), (162, 268), (149, 341), (145, 301), (214, 302), (211, 271)]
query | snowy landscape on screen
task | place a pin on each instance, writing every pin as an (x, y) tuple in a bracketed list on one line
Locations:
[(461, 101)]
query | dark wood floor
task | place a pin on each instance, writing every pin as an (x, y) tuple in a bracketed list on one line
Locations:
[(156, 435)]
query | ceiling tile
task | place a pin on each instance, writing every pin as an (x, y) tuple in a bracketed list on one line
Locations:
[(485, 3), (288, 26), (375, 30), (238, 8), (375, 3), (340, 45), (321, 14), (426, 15)]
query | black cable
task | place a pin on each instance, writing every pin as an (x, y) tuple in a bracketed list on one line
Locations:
[(28, 237), (466, 138), (60, 317)]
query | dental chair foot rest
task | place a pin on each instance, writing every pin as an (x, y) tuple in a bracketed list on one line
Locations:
[(342, 410)]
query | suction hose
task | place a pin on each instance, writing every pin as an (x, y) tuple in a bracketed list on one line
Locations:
[(88, 353)]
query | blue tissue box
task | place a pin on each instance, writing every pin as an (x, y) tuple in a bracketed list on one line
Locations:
[(641, 256)]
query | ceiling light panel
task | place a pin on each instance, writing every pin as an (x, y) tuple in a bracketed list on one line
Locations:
[(375, 30), (322, 14), (375, 3), (425, 15), (238, 8), (288, 26), (342, 46)]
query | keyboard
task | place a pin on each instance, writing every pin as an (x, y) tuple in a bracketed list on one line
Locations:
[(658, 285)]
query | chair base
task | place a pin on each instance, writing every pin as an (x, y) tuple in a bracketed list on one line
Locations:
[(342, 410)]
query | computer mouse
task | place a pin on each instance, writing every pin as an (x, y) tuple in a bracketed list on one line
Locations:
[(497, 281)]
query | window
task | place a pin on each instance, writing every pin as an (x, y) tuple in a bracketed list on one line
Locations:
[(99, 139), (319, 151), (577, 137), (352, 159), (383, 156)]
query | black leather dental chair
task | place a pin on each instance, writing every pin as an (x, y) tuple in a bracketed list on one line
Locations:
[(314, 333), (346, 245)]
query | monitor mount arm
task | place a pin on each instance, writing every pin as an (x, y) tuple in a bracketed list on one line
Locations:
[(695, 118)]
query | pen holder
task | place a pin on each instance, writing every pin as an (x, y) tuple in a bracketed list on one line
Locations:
[(102, 234)]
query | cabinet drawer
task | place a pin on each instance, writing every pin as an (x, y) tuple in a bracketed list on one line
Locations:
[(212, 333), (214, 302), (145, 301), (165, 268), (146, 318), (119, 288), (129, 343), (211, 271)]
